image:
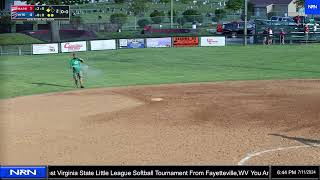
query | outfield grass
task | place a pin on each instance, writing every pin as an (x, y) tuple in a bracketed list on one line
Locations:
[(24, 75), (17, 38)]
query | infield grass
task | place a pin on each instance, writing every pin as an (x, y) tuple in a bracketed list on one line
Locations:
[(25, 75)]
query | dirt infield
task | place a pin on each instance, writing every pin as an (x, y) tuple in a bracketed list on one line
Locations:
[(248, 122)]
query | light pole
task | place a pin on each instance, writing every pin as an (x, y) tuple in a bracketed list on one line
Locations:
[(171, 13), (245, 21)]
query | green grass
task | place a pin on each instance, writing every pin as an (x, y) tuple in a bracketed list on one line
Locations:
[(17, 38), (24, 75)]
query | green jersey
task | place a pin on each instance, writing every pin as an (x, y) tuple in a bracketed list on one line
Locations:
[(75, 64)]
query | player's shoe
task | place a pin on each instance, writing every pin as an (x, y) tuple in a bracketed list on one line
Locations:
[(82, 86)]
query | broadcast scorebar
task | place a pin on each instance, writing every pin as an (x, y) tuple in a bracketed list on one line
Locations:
[(41, 12), (161, 172)]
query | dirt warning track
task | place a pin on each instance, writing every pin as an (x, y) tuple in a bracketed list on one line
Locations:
[(248, 122)]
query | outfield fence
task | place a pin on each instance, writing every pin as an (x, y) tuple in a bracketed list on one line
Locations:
[(156, 42), (112, 44)]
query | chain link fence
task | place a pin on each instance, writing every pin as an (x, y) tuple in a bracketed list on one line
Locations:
[(89, 24)]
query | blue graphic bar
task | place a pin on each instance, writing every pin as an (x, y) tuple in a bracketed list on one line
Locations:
[(22, 172), (22, 15), (312, 7)]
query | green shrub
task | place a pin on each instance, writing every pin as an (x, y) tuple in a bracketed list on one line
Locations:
[(220, 14), (181, 21), (6, 20), (119, 1), (192, 15), (143, 22), (174, 15), (118, 18), (157, 16)]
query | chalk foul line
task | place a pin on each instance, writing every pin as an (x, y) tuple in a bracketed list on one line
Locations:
[(251, 155)]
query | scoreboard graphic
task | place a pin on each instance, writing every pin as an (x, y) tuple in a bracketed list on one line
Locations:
[(40, 13)]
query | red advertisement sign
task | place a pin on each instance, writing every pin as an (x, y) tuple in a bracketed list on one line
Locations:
[(73, 46), (185, 41), (29, 8)]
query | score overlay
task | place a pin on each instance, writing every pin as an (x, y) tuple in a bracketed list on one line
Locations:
[(40, 12)]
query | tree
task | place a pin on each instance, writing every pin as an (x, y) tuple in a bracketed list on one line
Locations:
[(220, 14), (174, 15), (234, 5), (192, 15), (6, 23), (165, 1), (138, 6), (54, 2), (157, 16), (59, 2), (119, 1), (143, 22), (118, 18), (186, 1), (6, 20), (299, 3), (250, 11), (49, 2), (181, 21)]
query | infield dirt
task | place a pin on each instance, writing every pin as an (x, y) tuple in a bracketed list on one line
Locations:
[(199, 123)]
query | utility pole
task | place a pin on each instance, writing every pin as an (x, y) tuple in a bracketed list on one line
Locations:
[(245, 21), (171, 13)]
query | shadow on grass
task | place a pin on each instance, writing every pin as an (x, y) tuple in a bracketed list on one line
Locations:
[(49, 84), (310, 142)]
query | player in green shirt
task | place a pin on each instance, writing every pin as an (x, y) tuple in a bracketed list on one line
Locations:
[(75, 65)]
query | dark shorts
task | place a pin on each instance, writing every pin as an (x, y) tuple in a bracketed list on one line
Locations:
[(76, 73)]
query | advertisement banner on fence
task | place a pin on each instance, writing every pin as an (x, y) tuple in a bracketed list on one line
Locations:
[(74, 46), (103, 44), (45, 48), (158, 42), (185, 41), (131, 43), (213, 41)]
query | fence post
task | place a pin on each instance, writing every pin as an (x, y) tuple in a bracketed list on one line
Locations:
[(19, 49), (135, 23)]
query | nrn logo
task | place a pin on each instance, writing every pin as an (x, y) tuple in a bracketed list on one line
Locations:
[(34, 172), (21, 172), (312, 6)]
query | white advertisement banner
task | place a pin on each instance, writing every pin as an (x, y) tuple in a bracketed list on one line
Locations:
[(103, 44), (45, 48), (74, 46), (213, 41), (158, 42), (123, 42)]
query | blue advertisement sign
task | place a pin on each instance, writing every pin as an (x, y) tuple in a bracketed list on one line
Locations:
[(312, 7), (131, 43), (17, 172), (135, 43)]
